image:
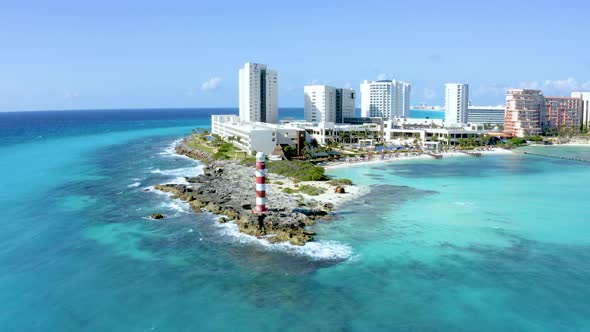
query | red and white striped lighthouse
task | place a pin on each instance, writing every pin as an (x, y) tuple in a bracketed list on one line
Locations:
[(260, 182)]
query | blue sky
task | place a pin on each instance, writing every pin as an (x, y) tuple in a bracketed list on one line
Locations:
[(126, 54)]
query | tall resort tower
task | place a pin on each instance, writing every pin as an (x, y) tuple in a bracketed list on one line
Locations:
[(585, 96), (324, 103), (456, 103), (258, 94), (385, 99)]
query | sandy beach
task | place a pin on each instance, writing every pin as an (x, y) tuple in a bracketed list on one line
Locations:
[(576, 144), (378, 160), (329, 196)]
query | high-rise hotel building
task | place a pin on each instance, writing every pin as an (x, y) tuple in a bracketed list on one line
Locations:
[(385, 99), (456, 103), (324, 103), (524, 109), (562, 112), (528, 112), (585, 96), (258, 94)]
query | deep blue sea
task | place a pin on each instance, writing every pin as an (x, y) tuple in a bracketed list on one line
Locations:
[(497, 243)]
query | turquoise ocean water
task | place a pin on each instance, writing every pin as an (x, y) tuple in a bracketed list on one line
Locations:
[(426, 114), (498, 243)]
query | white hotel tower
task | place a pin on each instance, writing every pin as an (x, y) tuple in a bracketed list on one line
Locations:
[(385, 99), (324, 103), (258, 94), (585, 96), (456, 103)]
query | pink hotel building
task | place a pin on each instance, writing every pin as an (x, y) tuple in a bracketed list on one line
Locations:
[(528, 112)]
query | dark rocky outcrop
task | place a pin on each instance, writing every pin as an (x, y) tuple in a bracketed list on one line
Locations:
[(228, 189), (339, 190), (276, 225), (157, 216)]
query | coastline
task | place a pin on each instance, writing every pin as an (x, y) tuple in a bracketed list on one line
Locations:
[(585, 144), (227, 189), (376, 161)]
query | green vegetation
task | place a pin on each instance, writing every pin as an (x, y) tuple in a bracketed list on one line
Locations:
[(516, 141), (277, 182), (225, 151), (197, 143), (290, 152), (306, 189), (536, 138), (311, 190), (289, 191), (298, 170), (340, 182), (218, 148)]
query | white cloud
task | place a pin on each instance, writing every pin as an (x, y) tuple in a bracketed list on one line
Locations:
[(381, 76), (211, 84), (319, 82), (486, 89), (557, 86), (71, 95), (429, 93), (347, 85)]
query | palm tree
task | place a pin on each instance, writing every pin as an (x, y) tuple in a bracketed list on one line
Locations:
[(314, 143)]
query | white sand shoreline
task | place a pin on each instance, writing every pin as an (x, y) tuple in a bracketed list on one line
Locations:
[(354, 191), (279, 183), (343, 164), (585, 144)]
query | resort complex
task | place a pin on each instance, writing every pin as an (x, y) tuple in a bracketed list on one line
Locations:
[(329, 116)]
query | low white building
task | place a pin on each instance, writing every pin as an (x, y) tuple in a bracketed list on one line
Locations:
[(259, 136), (493, 115), (255, 136), (324, 132), (425, 134)]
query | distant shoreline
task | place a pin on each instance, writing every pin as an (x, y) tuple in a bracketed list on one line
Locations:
[(343, 164)]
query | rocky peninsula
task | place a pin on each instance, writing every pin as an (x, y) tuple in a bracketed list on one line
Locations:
[(227, 188)]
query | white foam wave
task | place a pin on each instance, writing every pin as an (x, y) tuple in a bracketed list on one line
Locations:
[(177, 205), (320, 250), (170, 151), (178, 180), (184, 171), (180, 173), (134, 185), (464, 204)]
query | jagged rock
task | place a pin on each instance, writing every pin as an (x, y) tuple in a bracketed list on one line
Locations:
[(157, 216), (227, 189), (326, 207), (339, 190)]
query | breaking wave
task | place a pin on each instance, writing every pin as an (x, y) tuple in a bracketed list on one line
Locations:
[(320, 250)]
